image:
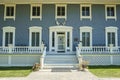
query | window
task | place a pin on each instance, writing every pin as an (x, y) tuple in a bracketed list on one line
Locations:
[(53, 39), (110, 11), (61, 11), (86, 36), (68, 39), (85, 12), (35, 36), (111, 36), (9, 12), (36, 11), (8, 36)]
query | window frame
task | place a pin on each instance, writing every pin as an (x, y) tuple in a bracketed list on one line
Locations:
[(36, 17), (110, 17), (86, 29), (111, 30), (8, 29), (90, 8), (35, 29), (9, 17), (61, 5)]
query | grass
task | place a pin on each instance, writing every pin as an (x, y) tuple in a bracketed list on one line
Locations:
[(105, 71), (14, 71)]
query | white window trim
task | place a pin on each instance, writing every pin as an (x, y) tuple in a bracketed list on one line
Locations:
[(61, 5), (9, 17), (111, 29), (86, 29), (8, 29), (36, 17), (35, 29), (85, 17), (110, 17)]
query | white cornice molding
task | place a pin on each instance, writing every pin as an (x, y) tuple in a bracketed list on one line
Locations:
[(61, 1)]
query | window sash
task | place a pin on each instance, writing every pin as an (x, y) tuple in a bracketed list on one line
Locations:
[(35, 38), (35, 11), (85, 38), (111, 38), (85, 11), (8, 38), (110, 11), (9, 11), (60, 11)]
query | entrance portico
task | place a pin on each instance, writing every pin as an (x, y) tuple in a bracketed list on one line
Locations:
[(60, 38)]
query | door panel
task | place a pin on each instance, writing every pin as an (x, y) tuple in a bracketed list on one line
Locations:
[(61, 43)]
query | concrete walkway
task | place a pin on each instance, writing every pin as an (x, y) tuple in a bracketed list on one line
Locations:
[(60, 74)]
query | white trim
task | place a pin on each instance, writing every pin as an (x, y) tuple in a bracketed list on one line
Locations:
[(36, 17), (86, 29), (61, 5), (9, 17), (110, 17), (111, 29), (90, 8), (56, 29), (35, 29), (8, 29)]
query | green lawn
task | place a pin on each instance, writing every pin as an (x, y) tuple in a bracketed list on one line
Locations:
[(105, 71), (15, 71)]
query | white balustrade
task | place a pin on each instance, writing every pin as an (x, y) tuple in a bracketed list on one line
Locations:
[(22, 50), (97, 50)]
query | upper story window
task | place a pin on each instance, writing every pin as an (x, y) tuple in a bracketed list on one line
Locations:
[(86, 36), (61, 11), (110, 12), (85, 12), (9, 11), (111, 36), (8, 36), (35, 35), (36, 11)]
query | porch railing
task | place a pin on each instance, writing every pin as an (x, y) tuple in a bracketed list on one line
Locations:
[(98, 50), (22, 49)]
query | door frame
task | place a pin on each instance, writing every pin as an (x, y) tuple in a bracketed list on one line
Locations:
[(56, 29)]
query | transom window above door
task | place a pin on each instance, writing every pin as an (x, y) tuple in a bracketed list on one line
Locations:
[(36, 11), (85, 12), (61, 11)]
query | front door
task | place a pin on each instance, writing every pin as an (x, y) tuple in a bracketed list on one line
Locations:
[(61, 42)]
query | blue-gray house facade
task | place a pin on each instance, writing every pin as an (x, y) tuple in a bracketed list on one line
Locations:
[(61, 26), (73, 18)]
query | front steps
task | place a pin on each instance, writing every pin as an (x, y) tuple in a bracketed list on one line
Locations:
[(60, 61)]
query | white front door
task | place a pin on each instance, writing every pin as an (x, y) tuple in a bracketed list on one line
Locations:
[(61, 42)]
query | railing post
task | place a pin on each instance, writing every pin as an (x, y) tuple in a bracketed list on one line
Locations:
[(111, 56), (10, 46), (42, 61)]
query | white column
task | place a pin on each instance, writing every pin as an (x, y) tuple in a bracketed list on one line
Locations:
[(66, 41), (9, 60), (71, 41), (50, 40), (41, 61), (56, 43)]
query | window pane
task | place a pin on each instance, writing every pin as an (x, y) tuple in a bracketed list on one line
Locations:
[(87, 11), (68, 39), (60, 11), (109, 39), (53, 39), (11, 38), (113, 39), (33, 11), (33, 39), (83, 39), (9, 11), (38, 11), (63, 11), (87, 39), (12, 11), (37, 38), (110, 11), (6, 38)]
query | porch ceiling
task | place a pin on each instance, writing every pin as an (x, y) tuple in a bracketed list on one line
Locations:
[(61, 1)]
